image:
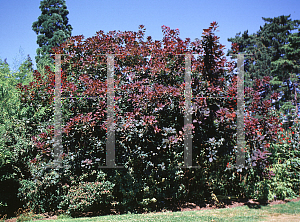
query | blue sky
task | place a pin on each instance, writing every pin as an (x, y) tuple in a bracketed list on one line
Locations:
[(89, 16)]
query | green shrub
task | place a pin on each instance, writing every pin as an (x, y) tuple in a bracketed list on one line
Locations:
[(86, 196), (42, 194), (53, 189), (284, 182)]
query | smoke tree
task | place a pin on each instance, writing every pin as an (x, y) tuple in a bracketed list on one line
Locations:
[(149, 115)]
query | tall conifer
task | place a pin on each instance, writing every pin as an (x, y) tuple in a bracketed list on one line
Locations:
[(52, 26), (275, 49)]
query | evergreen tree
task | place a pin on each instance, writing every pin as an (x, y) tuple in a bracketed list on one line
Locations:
[(51, 27), (274, 51), (287, 68)]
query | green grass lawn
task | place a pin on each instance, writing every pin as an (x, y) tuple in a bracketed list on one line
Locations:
[(282, 212)]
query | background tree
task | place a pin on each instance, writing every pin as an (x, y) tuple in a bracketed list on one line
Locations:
[(14, 137), (51, 27), (275, 48)]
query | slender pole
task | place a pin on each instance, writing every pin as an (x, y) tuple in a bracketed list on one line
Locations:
[(110, 143), (188, 142), (240, 155), (110, 140), (58, 148)]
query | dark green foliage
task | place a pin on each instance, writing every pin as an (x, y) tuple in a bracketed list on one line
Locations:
[(87, 196), (53, 189), (274, 52), (52, 26)]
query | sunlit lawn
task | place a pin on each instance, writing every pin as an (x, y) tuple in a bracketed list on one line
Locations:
[(282, 212)]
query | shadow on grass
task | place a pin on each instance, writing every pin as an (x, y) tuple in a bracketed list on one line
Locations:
[(170, 205)]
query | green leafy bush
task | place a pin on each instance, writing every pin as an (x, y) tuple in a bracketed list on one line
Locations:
[(284, 184), (43, 193), (53, 189), (86, 196)]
